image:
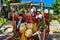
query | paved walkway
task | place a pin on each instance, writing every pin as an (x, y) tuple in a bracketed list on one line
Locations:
[(55, 23), (54, 36)]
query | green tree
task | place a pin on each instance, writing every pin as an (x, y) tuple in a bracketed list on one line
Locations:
[(14, 1), (11, 1), (1, 1), (56, 7)]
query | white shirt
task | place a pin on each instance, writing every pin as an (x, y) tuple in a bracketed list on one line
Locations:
[(39, 16), (18, 25), (33, 9)]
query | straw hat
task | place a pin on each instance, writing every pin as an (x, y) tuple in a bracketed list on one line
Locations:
[(38, 9)]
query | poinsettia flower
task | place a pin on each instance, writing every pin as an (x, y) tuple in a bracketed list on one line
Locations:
[(46, 15), (16, 16), (31, 39), (24, 15)]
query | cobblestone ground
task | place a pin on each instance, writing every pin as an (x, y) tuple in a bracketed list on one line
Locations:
[(54, 36)]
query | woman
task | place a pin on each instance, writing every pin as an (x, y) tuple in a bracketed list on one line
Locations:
[(39, 16)]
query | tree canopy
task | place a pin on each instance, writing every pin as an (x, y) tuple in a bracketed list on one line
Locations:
[(56, 7)]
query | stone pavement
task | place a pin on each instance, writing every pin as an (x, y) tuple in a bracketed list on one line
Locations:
[(54, 36)]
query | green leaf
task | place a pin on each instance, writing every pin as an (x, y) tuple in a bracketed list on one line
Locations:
[(56, 6), (42, 25)]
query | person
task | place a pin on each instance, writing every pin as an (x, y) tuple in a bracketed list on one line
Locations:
[(39, 16), (19, 21), (37, 35), (15, 15), (5, 11), (46, 18), (32, 9)]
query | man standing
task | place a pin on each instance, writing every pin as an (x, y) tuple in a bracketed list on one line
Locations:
[(5, 12), (19, 21)]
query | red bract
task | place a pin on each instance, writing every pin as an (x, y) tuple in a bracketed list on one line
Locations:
[(46, 15), (32, 14), (18, 32), (24, 15), (47, 23), (32, 21), (28, 20), (16, 16), (31, 39)]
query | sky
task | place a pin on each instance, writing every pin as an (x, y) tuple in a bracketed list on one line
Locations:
[(46, 2)]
